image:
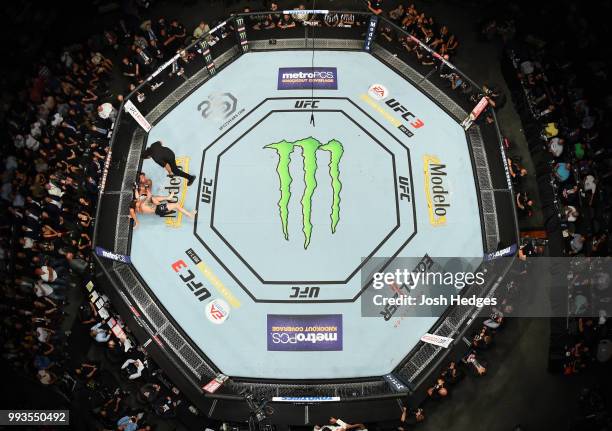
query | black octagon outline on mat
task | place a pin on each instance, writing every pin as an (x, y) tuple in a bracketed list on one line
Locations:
[(309, 282)]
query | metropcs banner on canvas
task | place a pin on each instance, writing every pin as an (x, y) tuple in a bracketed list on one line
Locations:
[(313, 332), (306, 78)]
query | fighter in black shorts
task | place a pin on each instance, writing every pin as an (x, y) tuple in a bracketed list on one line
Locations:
[(162, 206), (162, 210)]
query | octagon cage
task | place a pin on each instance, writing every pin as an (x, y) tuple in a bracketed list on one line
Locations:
[(185, 364)]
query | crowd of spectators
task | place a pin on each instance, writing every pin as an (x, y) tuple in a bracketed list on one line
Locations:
[(471, 362), (53, 152), (52, 166), (149, 45), (278, 20), (432, 46), (124, 388), (587, 341), (424, 29), (567, 125), (53, 162), (53, 157), (567, 121), (580, 162)]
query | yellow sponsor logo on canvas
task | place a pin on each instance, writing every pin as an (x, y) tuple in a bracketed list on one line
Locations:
[(436, 190), (177, 185)]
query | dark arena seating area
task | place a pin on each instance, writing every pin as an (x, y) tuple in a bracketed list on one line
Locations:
[(496, 119)]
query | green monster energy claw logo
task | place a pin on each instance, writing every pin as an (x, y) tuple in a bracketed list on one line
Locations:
[(309, 147)]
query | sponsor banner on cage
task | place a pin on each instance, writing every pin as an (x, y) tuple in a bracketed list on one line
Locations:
[(371, 31), (137, 115), (212, 386), (437, 340), (395, 383), (306, 78), (298, 333), (504, 252), (107, 162), (102, 252), (305, 11), (306, 400), (478, 109), (480, 106)]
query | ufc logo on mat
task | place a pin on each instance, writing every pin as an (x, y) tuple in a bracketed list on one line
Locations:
[(405, 114), (304, 104), (305, 292)]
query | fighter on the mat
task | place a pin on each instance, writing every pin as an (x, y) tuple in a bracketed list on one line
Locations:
[(160, 205), (143, 186), (141, 190)]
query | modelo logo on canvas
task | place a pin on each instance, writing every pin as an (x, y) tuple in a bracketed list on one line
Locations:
[(217, 311), (306, 78), (436, 190), (378, 91), (316, 332), (178, 186)]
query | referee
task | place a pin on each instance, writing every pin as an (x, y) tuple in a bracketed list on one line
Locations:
[(166, 158)]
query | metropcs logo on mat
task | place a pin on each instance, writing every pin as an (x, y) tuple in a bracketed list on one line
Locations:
[(436, 190), (177, 185), (314, 332), (309, 147), (306, 78)]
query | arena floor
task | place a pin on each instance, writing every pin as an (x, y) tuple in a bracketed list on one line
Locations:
[(301, 195)]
